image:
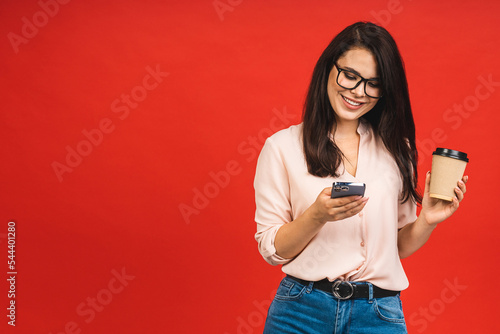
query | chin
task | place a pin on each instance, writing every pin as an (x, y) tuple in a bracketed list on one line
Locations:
[(349, 115)]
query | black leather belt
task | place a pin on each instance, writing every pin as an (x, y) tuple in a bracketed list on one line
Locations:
[(347, 290)]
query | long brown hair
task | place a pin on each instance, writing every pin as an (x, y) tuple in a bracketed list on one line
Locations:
[(391, 118)]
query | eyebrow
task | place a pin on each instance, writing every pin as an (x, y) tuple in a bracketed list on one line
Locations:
[(350, 69)]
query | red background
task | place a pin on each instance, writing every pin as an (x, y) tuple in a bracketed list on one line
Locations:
[(230, 74)]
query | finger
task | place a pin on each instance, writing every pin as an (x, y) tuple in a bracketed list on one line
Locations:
[(357, 200), (342, 213), (455, 204), (465, 178), (461, 185), (358, 208), (353, 207), (327, 191), (460, 190), (427, 182), (460, 194), (341, 201)]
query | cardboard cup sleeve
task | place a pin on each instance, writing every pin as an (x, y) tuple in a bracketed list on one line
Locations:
[(448, 167)]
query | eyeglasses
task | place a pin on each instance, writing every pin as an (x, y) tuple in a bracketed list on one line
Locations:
[(350, 80)]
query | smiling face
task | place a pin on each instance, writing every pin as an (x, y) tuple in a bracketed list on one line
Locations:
[(351, 104)]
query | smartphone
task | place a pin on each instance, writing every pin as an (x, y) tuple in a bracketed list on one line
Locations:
[(343, 189)]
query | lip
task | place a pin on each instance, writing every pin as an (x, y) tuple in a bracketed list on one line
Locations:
[(350, 106)]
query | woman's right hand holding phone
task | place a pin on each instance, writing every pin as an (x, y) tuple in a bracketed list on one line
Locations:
[(326, 209), (293, 237)]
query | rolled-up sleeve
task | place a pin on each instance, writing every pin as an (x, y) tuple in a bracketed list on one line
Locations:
[(272, 199)]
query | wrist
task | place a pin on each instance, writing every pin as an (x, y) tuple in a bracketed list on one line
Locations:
[(315, 216), (423, 221)]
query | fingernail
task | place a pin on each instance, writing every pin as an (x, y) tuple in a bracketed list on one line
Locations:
[(428, 172)]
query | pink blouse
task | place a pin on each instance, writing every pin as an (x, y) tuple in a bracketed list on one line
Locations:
[(359, 248)]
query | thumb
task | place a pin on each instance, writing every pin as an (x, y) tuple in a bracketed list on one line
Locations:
[(327, 191), (427, 183)]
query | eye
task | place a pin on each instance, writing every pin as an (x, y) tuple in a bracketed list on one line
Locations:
[(374, 84), (350, 76)]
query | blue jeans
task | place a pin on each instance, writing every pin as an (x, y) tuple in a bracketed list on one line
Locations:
[(299, 308)]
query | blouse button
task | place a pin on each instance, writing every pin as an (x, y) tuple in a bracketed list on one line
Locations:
[(362, 244), (361, 214)]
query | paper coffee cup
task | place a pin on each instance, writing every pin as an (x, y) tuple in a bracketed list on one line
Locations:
[(448, 167)]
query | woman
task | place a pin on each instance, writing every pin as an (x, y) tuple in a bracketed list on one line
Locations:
[(342, 256)]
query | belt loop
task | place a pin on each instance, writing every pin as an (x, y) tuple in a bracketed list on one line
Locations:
[(310, 287), (370, 292)]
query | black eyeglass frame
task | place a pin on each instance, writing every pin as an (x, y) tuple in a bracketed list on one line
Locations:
[(357, 84)]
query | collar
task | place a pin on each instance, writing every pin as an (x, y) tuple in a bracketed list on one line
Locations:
[(363, 126)]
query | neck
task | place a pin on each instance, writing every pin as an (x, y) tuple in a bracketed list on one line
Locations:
[(346, 129)]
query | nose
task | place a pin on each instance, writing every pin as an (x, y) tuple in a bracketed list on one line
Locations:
[(360, 90)]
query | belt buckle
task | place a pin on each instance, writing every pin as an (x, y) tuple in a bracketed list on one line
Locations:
[(339, 290)]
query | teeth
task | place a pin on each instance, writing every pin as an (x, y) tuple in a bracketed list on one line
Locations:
[(351, 102)]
